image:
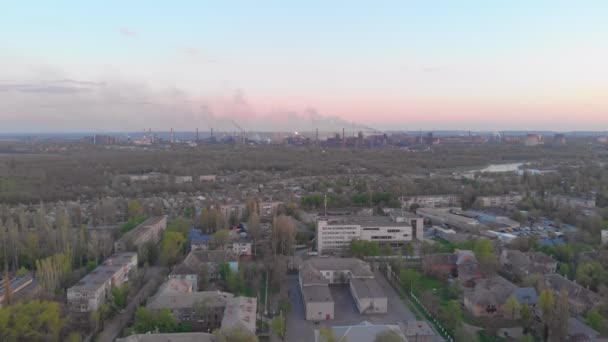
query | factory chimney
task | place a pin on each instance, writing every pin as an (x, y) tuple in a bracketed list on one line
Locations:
[(197, 134), (343, 139), (172, 138)]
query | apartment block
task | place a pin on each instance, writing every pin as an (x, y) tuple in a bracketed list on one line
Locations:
[(150, 230), (430, 201), (94, 289)]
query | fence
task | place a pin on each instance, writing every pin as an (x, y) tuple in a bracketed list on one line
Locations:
[(394, 280)]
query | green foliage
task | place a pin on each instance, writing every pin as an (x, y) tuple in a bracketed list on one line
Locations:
[(224, 271), (172, 245), (221, 237), (53, 272), (161, 321), (21, 272), (511, 307), (327, 335), (597, 321), (31, 321), (134, 210), (591, 274), (129, 225), (180, 225), (234, 335), (91, 265), (119, 297), (362, 248), (278, 326), (451, 315)]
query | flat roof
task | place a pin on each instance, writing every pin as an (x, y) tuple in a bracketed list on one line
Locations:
[(316, 294), (357, 268), (141, 228), (241, 311), (379, 221), (175, 300), (173, 337), (367, 288), (104, 272)]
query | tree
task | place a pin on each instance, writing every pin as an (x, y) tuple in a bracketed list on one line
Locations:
[(160, 321), (389, 336), (597, 321), (221, 237), (408, 249), (409, 278), (74, 337), (525, 315), (363, 248), (327, 335), (234, 335), (278, 326), (451, 315), (134, 209), (511, 307), (180, 225), (119, 297), (254, 230), (171, 246), (485, 254), (283, 235), (31, 321)]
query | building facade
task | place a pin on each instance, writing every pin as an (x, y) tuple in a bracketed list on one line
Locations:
[(148, 231), (334, 234)]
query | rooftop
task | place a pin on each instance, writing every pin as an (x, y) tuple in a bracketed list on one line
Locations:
[(104, 272), (357, 268), (194, 259), (362, 332), (141, 228), (174, 337), (241, 311), (367, 288), (376, 221), (417, 328), (176, 300)]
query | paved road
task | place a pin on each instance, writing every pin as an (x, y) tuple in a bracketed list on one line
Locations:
[(300, 330), (153, 279)]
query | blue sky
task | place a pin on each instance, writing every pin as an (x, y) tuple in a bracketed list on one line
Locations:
[(430, 64)]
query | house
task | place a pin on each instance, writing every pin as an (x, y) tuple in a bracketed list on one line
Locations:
[(316, 274), (467, 267), (419, 331), (488, 296), (198, 240), (172, 337), (440, 265), (520, 264), (208, 261), (526, 295), (579, 331), (580, 299), (94, 289), (362, 332), (148, 231)]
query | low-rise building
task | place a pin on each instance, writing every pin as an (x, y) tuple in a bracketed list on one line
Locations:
[(198, 261), (452, 217), (335, 233), (362, 332), (488, 296), (461, 265), (568, 201), (94, 289), (317, 274), (430, 201), (580, 299), (519, 264), (419, 331), (148, 231), (172, 337), (604, 236)]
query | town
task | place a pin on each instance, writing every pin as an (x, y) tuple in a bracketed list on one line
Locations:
[(360, 248)]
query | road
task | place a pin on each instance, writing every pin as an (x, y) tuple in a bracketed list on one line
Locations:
[(154, 277)]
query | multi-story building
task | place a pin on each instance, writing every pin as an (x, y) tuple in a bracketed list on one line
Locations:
[(335, 233), (94, 289), (567, 201), (148, 231), (499, 200), (430, 201)]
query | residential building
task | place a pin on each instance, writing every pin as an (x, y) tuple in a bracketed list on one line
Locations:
[(580, 299), (207, 178), (418, 331), (488, 296), (240, 245), (461, 265), (203, 310), (505, 200), (94, 289), (16, 285), (604, 236), (430, 201), (148, 231), (335, 233), (362, 332), (519, 264), (172, 337), (577, 202), (579, 331), (317, 274), (208, 261), (208, 310)]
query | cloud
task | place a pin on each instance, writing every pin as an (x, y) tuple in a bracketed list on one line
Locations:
[(127, 32), (197, 55), (60, 86)]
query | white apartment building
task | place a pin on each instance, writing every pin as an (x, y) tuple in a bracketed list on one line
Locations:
[(499, 200), (430, 201), (334, 234), (94, 288)]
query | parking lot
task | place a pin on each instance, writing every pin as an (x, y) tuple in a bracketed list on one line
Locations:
[(298, 329)]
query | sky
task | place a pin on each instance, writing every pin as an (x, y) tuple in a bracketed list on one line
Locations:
[(300, 65)]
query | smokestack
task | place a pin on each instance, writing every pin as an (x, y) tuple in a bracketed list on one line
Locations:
[(343, 139), (172, 138), (196, 133), (317, 138), (212, 131)]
